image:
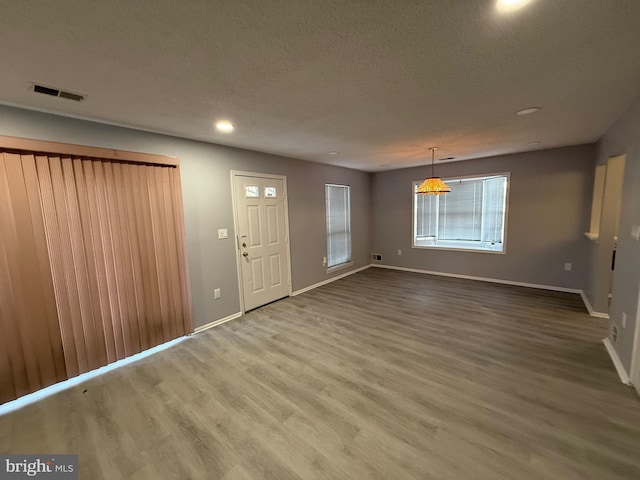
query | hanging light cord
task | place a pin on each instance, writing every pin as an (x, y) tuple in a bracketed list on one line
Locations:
[(433, 159)]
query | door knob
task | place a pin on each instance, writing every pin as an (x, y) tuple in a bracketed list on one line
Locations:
[(245, 254)]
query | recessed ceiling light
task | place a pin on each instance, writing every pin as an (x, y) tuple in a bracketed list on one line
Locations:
[(333, 153), (384, 164), (528, 111), (224, 126), (506, 6), (536, 142)]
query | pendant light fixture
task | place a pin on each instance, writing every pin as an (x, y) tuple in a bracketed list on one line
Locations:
[(433, 185)]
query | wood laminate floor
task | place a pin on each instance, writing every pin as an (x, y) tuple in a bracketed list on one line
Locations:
[(354, 380)]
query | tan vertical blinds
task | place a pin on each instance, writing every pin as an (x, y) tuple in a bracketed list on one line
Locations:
[(31, 355), (92, 265)]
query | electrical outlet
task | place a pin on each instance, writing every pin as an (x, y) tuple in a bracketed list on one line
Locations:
[(399, 252), (324, 261), (216, 293), (567, 267), (223, 233), (635, 233), (376, 257), (624, 319)]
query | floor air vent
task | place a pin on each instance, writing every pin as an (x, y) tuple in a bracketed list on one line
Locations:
[(54, 92)]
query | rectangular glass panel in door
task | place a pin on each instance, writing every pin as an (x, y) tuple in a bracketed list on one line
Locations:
[(251, 191)]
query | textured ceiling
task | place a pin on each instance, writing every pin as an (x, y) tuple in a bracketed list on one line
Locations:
[(378, 81)]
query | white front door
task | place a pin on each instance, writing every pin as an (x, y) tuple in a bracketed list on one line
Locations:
[(262, 238)]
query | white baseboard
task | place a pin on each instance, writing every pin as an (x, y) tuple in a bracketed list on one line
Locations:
[(293, 294), (622, 373), (33, 397), (329, 280), (585, 300), (217, 322), (484, 279), (590, 309)]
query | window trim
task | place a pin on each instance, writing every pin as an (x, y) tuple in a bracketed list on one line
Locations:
[(462, 249), (340, 266), (349, 262)]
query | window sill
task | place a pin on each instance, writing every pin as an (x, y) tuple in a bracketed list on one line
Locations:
[(342, 266), (450, 248)]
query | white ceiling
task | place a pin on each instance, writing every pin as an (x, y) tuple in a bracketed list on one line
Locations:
[(378, 81)]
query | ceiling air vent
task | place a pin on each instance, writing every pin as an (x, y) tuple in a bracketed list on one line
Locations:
[(54, 92)]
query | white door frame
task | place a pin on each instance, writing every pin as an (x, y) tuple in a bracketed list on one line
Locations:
[(239, 173)]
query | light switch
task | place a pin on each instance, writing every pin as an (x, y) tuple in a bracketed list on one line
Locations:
[(635, 233), (222, 233)]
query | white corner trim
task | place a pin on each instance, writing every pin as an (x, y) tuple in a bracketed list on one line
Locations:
[(329, 280), (590, 309), (217, 322), (622, 373)]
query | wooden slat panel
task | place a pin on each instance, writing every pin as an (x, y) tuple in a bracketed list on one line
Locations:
[(85, 254), (112, 242), (144, 280), (181, 242), (158, 232), (99, 236), (77, 271), (173, 254), (55, 247), (67, 149), (137, 291), (32, 351), (126, 274), (53, 340), (110, 238), (154, 308), (14, 364), (168, 252), (70, 289), (23, 269), (11, 354)]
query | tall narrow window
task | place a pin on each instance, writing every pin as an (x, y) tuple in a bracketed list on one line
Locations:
[(471, 217), (338, 225)]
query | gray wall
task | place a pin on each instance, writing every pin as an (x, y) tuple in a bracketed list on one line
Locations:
[(549, 210), (624, 138), (206, 188)]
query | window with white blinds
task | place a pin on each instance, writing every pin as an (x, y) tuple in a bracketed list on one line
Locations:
[(338, 225), (471, 217)]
